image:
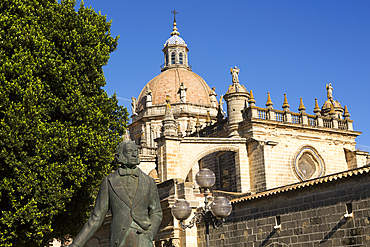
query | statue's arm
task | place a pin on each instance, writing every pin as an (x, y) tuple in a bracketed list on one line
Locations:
[(155, 211), (97, 216)]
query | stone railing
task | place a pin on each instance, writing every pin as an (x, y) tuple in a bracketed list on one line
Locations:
[(311, 120), (342, 124), (254, 112), (279, 116), (262, 113), (296, 118)]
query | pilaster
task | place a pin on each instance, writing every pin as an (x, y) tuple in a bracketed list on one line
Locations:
[(319, 121), (271, 114), (304, 119), (288, 117)]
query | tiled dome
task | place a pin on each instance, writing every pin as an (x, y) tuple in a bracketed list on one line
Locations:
[(168, 83), (175, 40)]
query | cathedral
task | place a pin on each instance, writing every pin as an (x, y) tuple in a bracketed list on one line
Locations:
[(257, 150)]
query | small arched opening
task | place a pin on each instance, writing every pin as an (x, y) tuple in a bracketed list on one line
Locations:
[(181, 58), (173, 57)]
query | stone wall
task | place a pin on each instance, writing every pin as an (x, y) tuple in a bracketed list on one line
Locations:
[(273, 148), (257, 167), (311, 213)]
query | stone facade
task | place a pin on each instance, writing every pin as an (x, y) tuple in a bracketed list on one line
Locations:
[(180, 128), (329, 211)]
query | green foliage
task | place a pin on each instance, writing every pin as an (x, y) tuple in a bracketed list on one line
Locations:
[(58, 127)]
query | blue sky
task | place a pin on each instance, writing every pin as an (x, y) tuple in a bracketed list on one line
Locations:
[(287, 46)]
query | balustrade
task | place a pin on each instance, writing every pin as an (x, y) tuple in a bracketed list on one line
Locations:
[(262, 114), (279, 116), (295, 118), (327, 122), (311, 121)]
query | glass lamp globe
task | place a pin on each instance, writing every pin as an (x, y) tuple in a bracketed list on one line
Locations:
[(181, 210), (221, 207), (205, 178)]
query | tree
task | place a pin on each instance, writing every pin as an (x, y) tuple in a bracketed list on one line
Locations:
[(58, 127)]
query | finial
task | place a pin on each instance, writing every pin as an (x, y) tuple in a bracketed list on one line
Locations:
[(168, 100), (346, 114), (198, 126), (251, 100), (208, 119), (269, 103), (197, 123), (317, 110), (285, 104), (188, 128), (168, 112), (179, 133), (301, 108), (174, 32)]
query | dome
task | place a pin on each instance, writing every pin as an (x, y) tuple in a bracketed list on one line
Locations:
[(328, 104), (168, 83), (175, 40)]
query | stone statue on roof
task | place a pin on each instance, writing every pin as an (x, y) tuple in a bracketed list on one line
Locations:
[(133, 106), (182, 91), (220, 105), (330, 89), (235, 74), (212, 97), (149, 97)]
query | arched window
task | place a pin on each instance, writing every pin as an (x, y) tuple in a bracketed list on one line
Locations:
[(167, 62), (181, 59), (173, 57)]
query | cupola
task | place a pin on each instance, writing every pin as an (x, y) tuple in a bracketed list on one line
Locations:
[(175, 50), (331, 107)]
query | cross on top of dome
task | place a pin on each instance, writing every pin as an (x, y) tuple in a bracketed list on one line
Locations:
[(175, 49), (174, 32), (174, 15)]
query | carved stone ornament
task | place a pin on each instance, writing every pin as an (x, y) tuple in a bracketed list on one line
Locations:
[(308, 164)]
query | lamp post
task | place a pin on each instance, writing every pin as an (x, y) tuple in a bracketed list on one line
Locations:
[(214, 213)]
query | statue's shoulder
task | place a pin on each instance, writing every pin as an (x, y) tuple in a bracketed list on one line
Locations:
[(148, 178)]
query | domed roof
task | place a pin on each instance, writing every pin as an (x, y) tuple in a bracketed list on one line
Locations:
[(329, 103), (175, 40), (168, 83)]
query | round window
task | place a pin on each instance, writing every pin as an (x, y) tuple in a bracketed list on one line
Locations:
[(308, 164)]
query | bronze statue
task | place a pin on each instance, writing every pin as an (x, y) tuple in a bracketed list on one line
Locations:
[(132, 197)]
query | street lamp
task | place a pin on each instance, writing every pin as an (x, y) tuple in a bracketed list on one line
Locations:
[(214, 213)]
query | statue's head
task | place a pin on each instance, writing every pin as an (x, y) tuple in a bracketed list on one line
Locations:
[(127, 154)]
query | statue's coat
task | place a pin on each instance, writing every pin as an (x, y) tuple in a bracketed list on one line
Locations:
[(144, 211)]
